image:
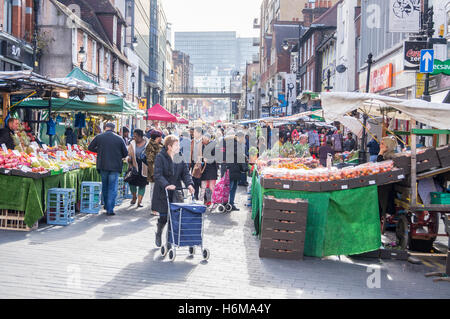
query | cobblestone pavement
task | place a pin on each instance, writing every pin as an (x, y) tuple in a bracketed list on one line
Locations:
[(115, 257)]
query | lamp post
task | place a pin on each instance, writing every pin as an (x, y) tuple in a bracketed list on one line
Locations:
[(270, 93), (328, 87), (429, 31), (234, 74), (82, 57), (363, 154), (133, 80)]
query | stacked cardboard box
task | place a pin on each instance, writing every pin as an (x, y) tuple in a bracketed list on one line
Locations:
[(283, 228), (444, 156), (425, 161)]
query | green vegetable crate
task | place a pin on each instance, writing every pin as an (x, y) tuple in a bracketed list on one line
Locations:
[(440, 198)]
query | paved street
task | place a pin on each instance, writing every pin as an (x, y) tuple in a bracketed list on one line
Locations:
[(114, 257)]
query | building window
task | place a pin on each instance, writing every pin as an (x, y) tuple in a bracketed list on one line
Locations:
[(102, 62), (7, 16), (94, 57), (448, 19)]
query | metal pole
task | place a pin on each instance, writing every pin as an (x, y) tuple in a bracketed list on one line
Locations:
[(363, 156), (428, 20)]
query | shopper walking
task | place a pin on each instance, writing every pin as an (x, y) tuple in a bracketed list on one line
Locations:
[(111, 151), (235, 163), (209, 175), (168, 177), (154, 146), (196, 160), (350, 143), (136, 152)]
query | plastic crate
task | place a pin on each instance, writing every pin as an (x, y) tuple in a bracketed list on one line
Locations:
[(14, 220), (120, 191), (440, 198), (90, 197), (127, 193), (61, 206)]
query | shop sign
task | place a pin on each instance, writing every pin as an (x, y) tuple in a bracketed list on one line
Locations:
[(16, 52), (420, 85), (411, 57), (382, 78), (441, 67), (143, 104)]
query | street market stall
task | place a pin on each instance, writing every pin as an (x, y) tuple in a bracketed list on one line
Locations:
[(343, 203)]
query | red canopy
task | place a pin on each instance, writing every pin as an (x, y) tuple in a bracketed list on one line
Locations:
[(182, 120), (158, 113)]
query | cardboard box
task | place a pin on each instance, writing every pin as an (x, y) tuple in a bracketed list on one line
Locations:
[(338, 185), (281, 254), (305, 186), (283, 224), (301, 205), (282, 234), (276, 184), (429, 154), (272, 243), (299, 216)]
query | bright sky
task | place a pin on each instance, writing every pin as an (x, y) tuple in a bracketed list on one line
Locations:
[(213, 15)]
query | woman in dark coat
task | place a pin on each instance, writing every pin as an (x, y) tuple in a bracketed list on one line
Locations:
[(209, 175), (170, 170)]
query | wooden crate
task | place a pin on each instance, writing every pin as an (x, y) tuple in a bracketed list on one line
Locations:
[(14, 220)]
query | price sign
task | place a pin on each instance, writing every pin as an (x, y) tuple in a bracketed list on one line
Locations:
[(83, 153), (4, 148), (16, 152), (26, 169), (286, 187), (56, 144), (69, 147), (344, 187), (75, 146), (44, 146), (372, 182), (58, 156), (93, 157)]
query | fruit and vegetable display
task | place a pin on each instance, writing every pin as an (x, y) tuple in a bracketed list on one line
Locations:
[(324, 174), (287, 150), (45, 161), (345, 157), (288, 163)]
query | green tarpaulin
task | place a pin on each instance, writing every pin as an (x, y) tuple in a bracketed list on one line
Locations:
[(30, 195), (114, 104), (339, 223)]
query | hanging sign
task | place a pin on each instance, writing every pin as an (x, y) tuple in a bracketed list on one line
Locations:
[(411, 54), (404, 16), (441, 67)]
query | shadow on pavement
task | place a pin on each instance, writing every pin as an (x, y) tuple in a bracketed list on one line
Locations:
[(153, 270)]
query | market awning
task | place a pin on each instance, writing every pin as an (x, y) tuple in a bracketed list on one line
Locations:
[(114, 104), (336, 104), (158, 113), (25, 81), (182, 120)]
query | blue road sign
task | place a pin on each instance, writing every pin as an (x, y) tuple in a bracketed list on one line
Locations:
[(426, 61)]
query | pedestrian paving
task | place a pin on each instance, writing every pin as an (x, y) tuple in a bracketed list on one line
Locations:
[(115, 257)]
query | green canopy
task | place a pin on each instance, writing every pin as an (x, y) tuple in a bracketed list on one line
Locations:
[(78, 74)]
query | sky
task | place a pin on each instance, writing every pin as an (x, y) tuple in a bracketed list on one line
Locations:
[(213, 15)]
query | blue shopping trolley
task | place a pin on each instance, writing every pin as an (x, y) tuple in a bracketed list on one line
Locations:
[(185, 229)]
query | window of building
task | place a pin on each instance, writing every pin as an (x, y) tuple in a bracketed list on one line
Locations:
[(312, 46), (102, 62), (94, 57), (75, 48), (7, 16), (448, 19)]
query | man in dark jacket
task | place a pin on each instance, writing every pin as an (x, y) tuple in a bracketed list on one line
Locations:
[(8, 132), (374, 150), (111, 151)]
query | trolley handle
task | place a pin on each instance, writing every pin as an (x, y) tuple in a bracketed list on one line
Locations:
[(177, 189)]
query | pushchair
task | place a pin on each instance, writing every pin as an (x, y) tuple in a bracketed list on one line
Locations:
[(185, 229), (221, 195)]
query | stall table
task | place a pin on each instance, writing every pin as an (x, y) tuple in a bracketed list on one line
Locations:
[(343, 222), (30, 195)]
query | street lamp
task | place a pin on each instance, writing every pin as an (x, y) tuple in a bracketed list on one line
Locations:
[(82, 57), (270, 93), (234, 74), (285, 45), (134, 43), (133, 80), (328, 87)]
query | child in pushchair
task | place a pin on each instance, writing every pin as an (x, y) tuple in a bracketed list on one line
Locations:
[(221, 195)]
